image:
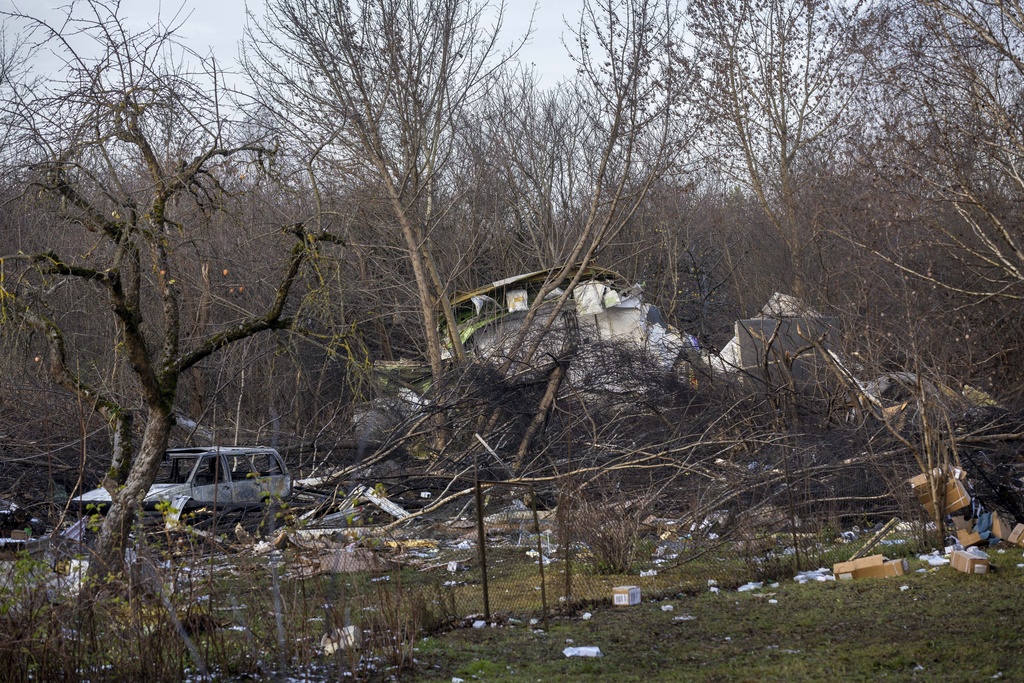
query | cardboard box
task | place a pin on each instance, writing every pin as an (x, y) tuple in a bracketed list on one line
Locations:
[(865, 567), (920, 481), (1001, 528), (1017, 535), (626, 596), (970, 562), (954, 495), (881, 571), (969, 538), (961, 522)]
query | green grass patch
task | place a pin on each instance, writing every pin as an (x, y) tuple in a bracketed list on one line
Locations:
[(944, 624)]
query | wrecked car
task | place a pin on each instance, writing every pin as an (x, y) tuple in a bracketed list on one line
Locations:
[(219, 476)]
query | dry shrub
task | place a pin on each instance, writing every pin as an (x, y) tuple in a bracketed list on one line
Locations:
[(612, 528)]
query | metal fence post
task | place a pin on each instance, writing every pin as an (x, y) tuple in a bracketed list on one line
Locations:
[(540, 557), (482, 543)]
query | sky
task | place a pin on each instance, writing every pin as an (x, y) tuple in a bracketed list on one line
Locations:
[(218, 25)]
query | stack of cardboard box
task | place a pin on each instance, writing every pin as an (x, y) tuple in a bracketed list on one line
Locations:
[(950, 485)]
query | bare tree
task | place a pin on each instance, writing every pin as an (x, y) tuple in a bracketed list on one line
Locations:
[(631, 90), (955, 77), (778, 79), (383, 86), (118, 156)]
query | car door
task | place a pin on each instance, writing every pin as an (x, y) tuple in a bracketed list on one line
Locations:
[(258, 476), (211, 481)]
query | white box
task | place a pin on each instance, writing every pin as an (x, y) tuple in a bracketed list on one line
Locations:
[(626, 596)]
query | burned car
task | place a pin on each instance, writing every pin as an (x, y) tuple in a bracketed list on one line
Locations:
[(233, 476)]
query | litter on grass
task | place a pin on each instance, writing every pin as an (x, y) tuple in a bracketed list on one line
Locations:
[(584, 651), (820, 574), (934, 559)]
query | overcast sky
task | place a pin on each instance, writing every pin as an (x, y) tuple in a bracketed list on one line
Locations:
[(219, 25)]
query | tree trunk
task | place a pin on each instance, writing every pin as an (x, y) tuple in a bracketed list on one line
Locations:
[(108, 556)]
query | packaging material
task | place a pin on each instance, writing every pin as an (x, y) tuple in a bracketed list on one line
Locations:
[(950, 482), (871, 567), (626, 596), (971, 561), (821, 574), (1017, 535), (969, 538), (845, 571), (960, 522), (584, 651), (891, 568), (1001, 528)]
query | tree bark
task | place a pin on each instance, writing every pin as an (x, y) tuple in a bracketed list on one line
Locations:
[(108, 553)]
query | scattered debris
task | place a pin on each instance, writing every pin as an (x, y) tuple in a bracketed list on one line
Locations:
[(348, 638), (820, 574), (585, 651), (381, 501), (875, 538), (934, 559)]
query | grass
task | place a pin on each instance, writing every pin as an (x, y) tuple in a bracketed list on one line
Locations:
[(944, 626), (229, 616)]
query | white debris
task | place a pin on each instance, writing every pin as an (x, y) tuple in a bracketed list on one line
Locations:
[(820, 574), (584, 651), (667, 608), (712, 582), (649, 572), (773, 601), (341, 639), (684, 617), (753, 585), (904, 588), (479, 623), (586, 616), (934, 559), (713, 589)]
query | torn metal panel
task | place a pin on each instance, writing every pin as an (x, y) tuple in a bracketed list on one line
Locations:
[(786, 341), (604, 306), (383, 503)]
